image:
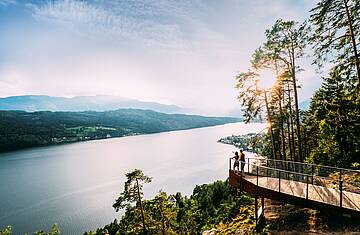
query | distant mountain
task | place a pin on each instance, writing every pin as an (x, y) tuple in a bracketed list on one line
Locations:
[(236, 112), (32, 103), (20, 129), (304, 105)]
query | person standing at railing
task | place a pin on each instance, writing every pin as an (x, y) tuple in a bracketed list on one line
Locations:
[(242, 159), (236, 162)]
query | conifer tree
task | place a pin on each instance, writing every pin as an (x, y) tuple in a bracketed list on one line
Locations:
[(133, 193), (336, 35), (288, 39)]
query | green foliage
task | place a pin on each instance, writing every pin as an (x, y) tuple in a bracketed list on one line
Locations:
[(6, 231), (250, 95), (333, 123), (132, 189), (243, 223), (208, 206), (53, 231), (335, 35), (133, 193), (285, 42), (161, 214)]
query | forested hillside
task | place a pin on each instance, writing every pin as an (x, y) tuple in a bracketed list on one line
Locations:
[(208, 206), (21, 129)]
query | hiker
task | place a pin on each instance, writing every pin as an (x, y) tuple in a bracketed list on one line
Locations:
[(242, 159), (236, 163)]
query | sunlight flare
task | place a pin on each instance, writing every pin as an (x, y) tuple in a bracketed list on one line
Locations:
[(267, 79)]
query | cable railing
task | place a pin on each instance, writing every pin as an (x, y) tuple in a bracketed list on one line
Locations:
[(301, 180), (350, 178)]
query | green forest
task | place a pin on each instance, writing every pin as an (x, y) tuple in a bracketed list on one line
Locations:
[(208, 206), (20, 129)]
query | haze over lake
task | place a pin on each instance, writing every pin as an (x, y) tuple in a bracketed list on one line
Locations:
[(75, 185)]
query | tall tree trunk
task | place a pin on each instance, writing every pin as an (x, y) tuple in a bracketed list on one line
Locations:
[(297, 120), (288, 128), (282, 128), (293, 136), (289, 138), (283, 156), (297, 115), (291, 126), (353, 40), (141, 207), (305, 143), (270, 122)]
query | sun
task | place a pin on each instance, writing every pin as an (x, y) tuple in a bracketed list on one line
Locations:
[(267, 79)]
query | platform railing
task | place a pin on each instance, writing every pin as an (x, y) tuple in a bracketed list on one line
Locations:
[(298, 172), (350, 178)]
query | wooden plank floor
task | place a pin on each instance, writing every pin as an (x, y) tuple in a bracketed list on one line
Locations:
[(316, 192)]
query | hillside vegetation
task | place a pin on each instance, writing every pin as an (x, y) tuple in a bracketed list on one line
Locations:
[(20, 129), (207, 207)]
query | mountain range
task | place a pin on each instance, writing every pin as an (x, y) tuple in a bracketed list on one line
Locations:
[(33, 103)]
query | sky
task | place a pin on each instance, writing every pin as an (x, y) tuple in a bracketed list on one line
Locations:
[(184, 52)]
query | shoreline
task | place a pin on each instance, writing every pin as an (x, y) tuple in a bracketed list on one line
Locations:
[(109, 138)]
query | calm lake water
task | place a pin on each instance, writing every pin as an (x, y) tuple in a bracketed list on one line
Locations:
[(75, 185)]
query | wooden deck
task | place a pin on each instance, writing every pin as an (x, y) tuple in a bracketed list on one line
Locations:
[(294, 192)]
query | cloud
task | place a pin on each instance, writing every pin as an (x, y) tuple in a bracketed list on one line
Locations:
[(7, 2), (186, 52), (185, 24), (154, 22)]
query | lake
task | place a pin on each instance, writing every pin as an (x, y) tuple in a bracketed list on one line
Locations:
[(75, 185)]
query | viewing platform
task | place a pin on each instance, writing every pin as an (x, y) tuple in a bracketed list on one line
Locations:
[(325, 188)]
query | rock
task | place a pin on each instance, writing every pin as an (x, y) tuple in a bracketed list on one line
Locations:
[(209, 232)]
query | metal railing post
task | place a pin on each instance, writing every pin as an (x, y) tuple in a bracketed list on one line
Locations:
[(256, 209), (341, 193), (249, 165), (307, 187), (267, 168), (288, 174), (312, 174), (257, 191), (340, 187), (279, 179), (257, 177), (288, 166), (241, 182), (340, 176)]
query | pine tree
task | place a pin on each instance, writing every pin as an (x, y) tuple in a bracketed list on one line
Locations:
[(336, 35), (334, 117), (133, 193)]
